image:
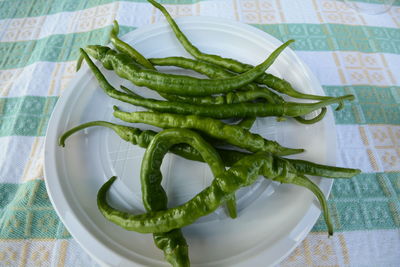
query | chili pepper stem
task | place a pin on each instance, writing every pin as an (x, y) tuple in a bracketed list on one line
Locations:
[(316, 119), (61, 140), (300, 109)]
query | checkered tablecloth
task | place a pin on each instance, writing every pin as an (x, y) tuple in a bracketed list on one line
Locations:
[(349, 52)]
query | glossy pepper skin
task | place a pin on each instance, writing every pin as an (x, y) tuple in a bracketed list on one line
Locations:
[(269, 80), (210, 70), (242, 173), (215, 72), (214, 111), (176, 84), (225, 111), (253, 142), (230, 157), (141, 138), (154, 196), (228, 98), (231, 134), (254, 92), (246, 122)]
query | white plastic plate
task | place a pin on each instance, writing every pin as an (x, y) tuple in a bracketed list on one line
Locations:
[(273, 219)]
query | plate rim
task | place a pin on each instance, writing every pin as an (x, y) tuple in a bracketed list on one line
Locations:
[(49, 161)]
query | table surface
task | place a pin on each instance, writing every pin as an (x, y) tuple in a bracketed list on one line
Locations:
[(349, 52)]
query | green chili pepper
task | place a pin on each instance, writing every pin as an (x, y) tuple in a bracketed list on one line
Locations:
[(232, 134), (210, 70), (229, 157), (307, 183), (252, 91), (129, 134), (249, 138), (214, 72), (228, 98), (154, 196), (242, 173), (311, 168), (225, 111), (217, 111), (123, 47), (176, 84), (269, 80), (174, 246), (247, 123), (138, 137)]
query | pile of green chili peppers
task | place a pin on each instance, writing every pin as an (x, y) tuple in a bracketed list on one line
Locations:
[(190, 116)]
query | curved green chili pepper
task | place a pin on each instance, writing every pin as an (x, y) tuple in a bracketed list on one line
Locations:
[(134, 136), (303, 181), (242, 173), (154, 196), (280, 85), (316, 119), (176, 84), (123, 47), (129, 134), (232, 134)]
